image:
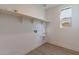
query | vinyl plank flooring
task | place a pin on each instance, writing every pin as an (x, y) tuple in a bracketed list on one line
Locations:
[(50, 49)]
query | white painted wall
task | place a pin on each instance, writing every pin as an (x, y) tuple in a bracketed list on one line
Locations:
[(17, 37), (64, 37)]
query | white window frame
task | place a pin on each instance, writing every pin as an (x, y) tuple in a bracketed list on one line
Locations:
[(62, 19)]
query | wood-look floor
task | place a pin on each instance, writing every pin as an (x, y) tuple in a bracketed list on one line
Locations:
[(49, 49)]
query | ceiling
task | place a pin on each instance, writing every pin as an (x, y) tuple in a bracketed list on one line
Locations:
[(49, 5)]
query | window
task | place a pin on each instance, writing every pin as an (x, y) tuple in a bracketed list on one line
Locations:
[(65, 17)]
